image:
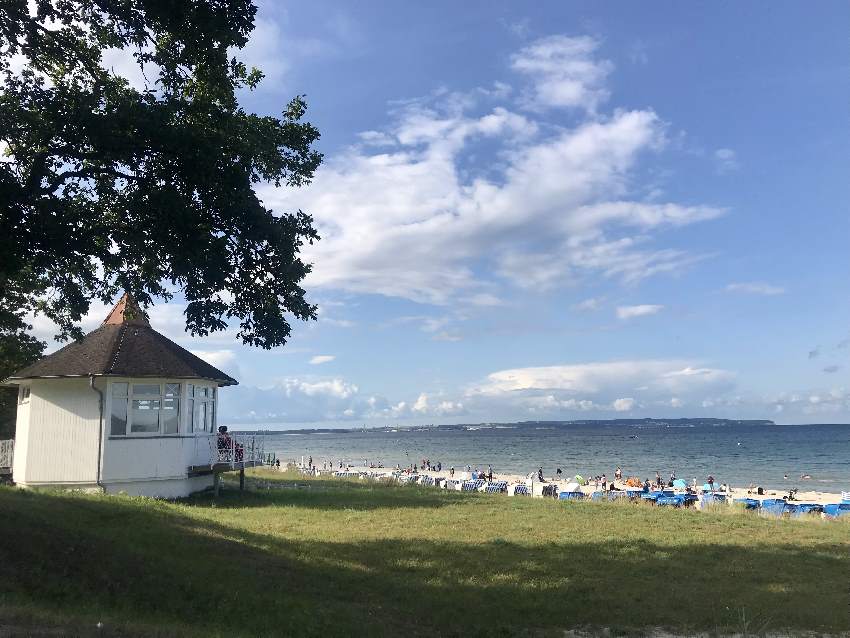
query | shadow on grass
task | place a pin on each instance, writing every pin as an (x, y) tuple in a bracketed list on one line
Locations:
[(138, 564), (325, 495)]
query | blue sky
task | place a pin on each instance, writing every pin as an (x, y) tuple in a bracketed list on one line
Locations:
[(560, 210)]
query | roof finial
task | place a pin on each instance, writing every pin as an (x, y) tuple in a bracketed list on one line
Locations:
[(127, 311)]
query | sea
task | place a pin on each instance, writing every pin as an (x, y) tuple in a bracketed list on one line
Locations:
[(736, 453)]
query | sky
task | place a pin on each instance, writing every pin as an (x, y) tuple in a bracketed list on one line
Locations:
[(553, 211)]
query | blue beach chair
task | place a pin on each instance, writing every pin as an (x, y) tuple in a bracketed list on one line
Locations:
[(834, 510), (496, 487), (773, 507), (521, 490), (571, 496)]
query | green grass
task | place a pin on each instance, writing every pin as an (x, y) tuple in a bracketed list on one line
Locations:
[(292, 556)]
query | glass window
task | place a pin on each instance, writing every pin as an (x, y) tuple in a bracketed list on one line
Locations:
[(190, 390), (169, 415), (118, 425), (119, 389), (25, 393), (145, 415), (172, 390), (200, 415), (145, 389)]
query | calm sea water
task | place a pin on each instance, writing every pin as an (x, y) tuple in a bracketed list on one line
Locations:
[(734, 453)]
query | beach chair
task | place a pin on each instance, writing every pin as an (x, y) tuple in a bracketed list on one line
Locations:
[(571, 496), (845, 498), (797, 510), (773, 507), (496, 487), (650, 497), (633, 494), (671, 501), (834, 510), (521, 490)]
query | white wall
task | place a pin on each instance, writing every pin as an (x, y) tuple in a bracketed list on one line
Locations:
[(57, 441), (57, 444), (157, 457)]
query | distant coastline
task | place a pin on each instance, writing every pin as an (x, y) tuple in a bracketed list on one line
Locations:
[(516, 425)]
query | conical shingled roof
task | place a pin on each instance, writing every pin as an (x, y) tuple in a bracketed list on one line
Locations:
[(125, 345)]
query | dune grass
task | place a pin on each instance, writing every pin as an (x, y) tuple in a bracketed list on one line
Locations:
[(323, 557)]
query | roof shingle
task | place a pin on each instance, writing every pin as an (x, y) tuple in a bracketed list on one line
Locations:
[(124, 345)]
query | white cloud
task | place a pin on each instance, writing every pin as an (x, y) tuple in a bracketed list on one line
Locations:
[(726, 160), (565, 72), (322, 358), (555, 214), (623, 405), (651, 376), (589, 305), (425, 405), (755, 288), (218, 358), (629, 312)]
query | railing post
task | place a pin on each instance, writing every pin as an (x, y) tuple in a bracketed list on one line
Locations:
[(232, 452)]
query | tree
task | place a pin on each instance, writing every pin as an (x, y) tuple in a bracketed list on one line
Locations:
[(105, 187)]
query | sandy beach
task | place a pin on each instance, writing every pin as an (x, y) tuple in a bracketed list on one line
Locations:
[(807, 496)]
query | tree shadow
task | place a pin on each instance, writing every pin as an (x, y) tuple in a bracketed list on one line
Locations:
[(141, 565), (325, 495)]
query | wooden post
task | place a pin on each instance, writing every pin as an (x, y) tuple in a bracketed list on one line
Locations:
[(216, 483), (241, 478)]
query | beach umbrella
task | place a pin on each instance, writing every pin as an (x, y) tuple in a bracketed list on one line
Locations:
[(680, 483), (572, 487), (579, 479)]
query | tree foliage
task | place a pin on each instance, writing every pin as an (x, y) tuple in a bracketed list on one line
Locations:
[(105, 186)]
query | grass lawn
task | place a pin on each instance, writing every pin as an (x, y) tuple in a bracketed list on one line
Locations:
[(324, 557)]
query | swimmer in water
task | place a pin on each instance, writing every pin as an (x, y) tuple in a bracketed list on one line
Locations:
[(786, 477), (805, 477)]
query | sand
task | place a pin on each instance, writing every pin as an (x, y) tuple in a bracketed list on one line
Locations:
[(812, 496)]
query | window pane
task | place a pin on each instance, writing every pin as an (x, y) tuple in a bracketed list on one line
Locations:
[(190, 415), (209, 416), (119, 417), (172, 389), (212, 417), (145, 388), (200, 415), (169, 415), (201, 392), (145, 416), (190, 390), (120, 389)]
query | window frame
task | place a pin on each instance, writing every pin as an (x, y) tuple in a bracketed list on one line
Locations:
[(24, 395), (185, 403)]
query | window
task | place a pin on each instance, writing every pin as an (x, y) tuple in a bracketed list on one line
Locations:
[(202, 408), (153, 408), (25, 394), (118, 425)]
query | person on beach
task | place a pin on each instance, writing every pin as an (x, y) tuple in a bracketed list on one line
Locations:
[(672, 477), (540, 474), (309, 461), (646, 485), (489, 472), (618, 474), (711, 482), (452, 472), (604, 482), (658, 482), (558, 473)]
